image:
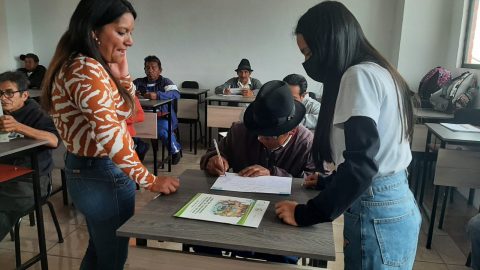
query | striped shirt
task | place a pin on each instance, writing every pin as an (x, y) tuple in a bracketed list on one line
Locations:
[(90, 114)]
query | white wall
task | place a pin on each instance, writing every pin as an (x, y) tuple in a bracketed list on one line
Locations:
[(19, 28), (204, 40), (425, 38), (5, 57)]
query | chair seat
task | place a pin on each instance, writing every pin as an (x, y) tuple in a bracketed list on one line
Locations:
[(9, 172)]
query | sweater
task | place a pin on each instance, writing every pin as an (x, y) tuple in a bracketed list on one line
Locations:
[(242, 149)]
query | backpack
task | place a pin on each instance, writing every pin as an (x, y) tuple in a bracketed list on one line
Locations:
[(447, 99), (435, 79)]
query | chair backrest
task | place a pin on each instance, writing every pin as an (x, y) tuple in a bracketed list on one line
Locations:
[(148, 128), (419, 138), (223, 116), (187, 109), (467, 116), (190, 84), (457, 168)]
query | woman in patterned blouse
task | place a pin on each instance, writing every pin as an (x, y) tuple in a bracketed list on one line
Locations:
[(89, 93)]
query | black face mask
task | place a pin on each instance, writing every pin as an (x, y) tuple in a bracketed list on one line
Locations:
[(312, 67)]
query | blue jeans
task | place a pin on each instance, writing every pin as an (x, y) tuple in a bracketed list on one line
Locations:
[(381, 228), (162, 128), (106, 197), (474, 235)]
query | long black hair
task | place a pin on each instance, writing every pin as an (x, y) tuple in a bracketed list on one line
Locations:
[(334, 35), (89, 16)]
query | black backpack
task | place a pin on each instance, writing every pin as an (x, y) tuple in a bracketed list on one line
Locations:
[(434, 80)]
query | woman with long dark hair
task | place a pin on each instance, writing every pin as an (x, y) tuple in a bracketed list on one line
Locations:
[(364, 127), (89, 93)]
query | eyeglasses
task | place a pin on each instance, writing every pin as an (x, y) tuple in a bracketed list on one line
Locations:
[(8, 93), (267, 137)]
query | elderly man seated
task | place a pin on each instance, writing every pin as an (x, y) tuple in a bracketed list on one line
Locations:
[(270, 141), (23, 116), (249, 86)]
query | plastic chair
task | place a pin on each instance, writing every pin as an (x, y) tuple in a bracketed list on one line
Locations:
[(190, 84), (8, 173)]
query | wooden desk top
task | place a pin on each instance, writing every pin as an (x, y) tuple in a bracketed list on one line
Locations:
[(154, 103), (156, 221), (19, 145), (34, 93), (425, 113), (192, 91), (231, 98), (450, 136)]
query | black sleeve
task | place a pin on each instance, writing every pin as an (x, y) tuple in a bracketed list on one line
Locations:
[(352, 178)]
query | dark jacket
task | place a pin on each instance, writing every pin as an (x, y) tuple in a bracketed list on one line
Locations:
[(33, 116), (164, 88), (233, 83), (36, 77), (242, 149)]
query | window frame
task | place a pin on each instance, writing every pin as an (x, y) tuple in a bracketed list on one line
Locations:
[(468, 31)]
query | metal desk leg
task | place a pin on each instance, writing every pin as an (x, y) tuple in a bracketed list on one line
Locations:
[(39, 213), (205, 125), (155, 150), (425, 168), (170, 135), (444, 206), (432, 218)]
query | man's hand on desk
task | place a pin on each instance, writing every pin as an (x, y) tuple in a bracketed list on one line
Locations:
[(150, 95), (227, 91), (254, 170), (311, 181), (247, 92), (217, 167), (165, 185), (285, 211), (9, 124)]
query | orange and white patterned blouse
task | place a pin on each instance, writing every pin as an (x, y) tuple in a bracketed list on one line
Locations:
[(90, 114)]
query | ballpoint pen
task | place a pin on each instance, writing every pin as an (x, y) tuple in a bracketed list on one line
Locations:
[(219, 156)]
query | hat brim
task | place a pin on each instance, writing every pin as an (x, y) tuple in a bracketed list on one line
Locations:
[(249, 69), (254, 127)]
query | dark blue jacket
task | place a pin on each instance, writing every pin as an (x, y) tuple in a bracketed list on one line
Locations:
[(164, 88)]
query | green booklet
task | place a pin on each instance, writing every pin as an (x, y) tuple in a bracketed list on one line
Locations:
[(224, 209)]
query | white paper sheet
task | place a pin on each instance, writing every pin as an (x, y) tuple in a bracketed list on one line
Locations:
[(461, 127), (3, 135), (260, 184), (224, 209)]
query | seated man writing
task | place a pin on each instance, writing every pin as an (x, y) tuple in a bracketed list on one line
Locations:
[(23, 116), (249, 86), (270, 140), (155, 86)]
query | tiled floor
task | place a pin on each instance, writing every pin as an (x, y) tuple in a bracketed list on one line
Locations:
[(448, 251)]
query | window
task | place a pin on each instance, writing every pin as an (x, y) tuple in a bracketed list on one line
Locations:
[(471, 51)]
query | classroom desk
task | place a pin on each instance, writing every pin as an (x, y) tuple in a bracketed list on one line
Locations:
[(156, 221), (446, 136), (197, 94), (22, 147), (430, 115), (35, 93), (224, 98), (154, 105)]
